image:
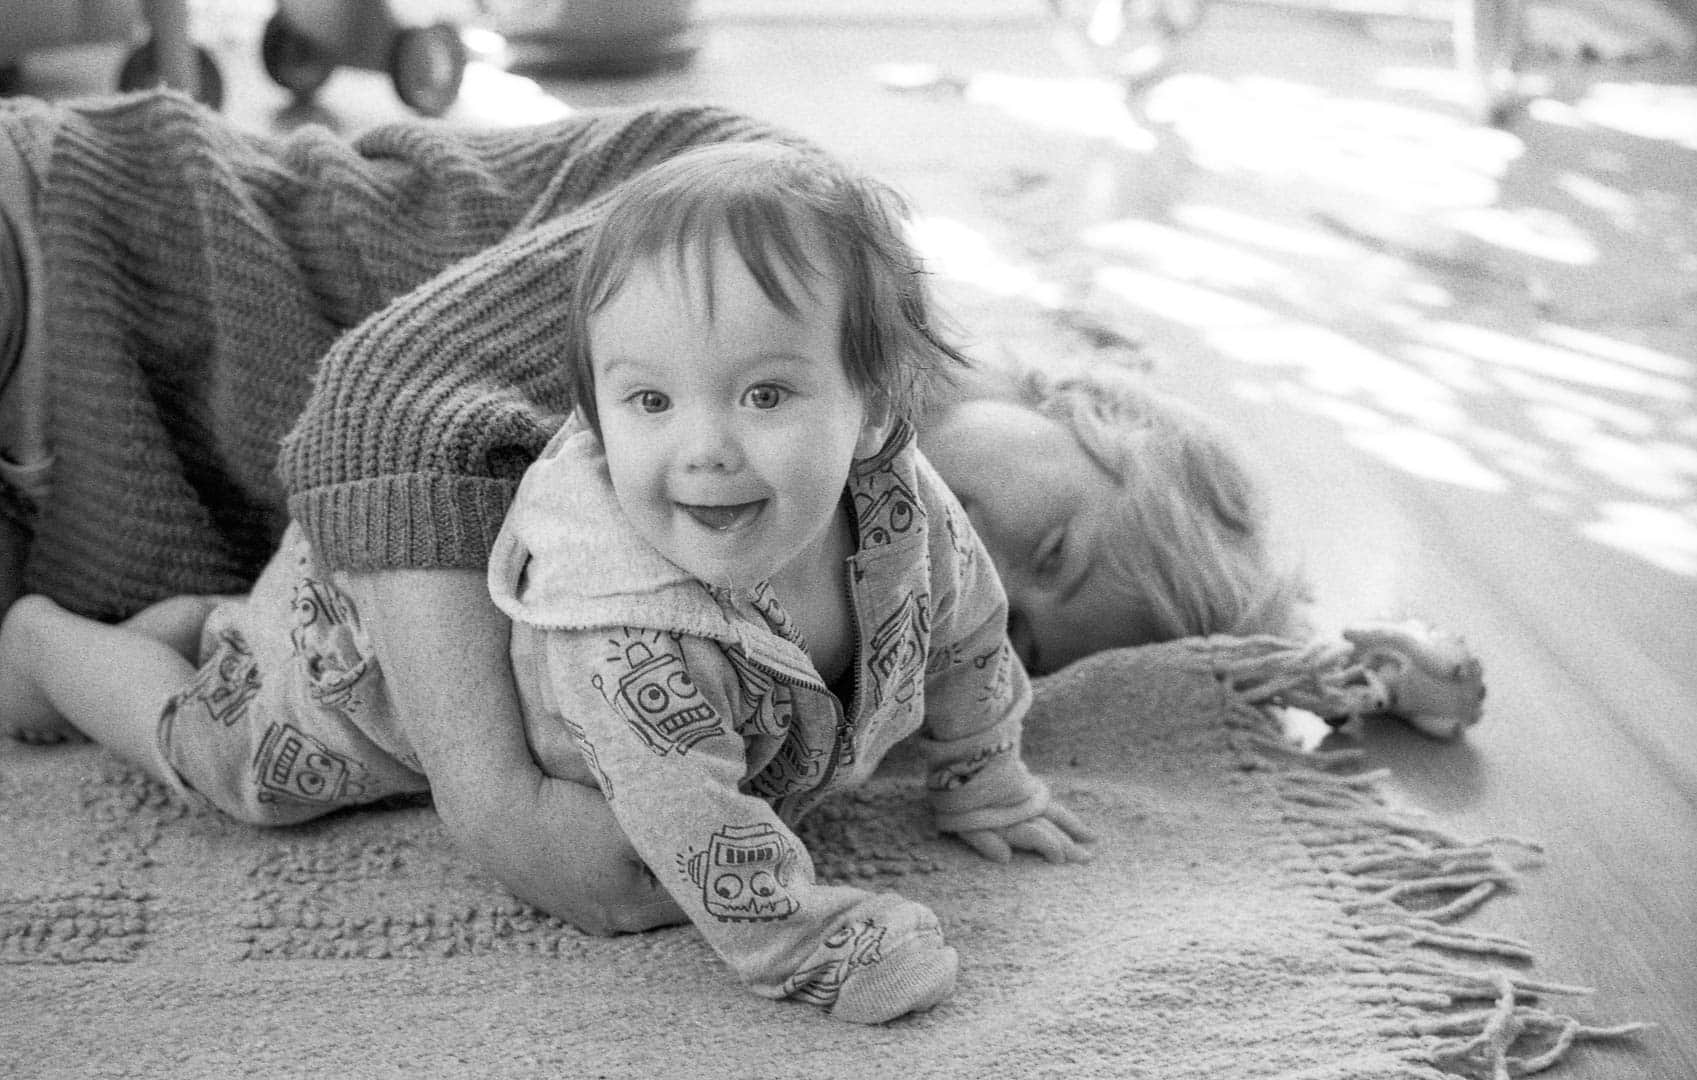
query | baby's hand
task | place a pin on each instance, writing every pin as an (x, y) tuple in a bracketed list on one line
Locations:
[(1056, 834)]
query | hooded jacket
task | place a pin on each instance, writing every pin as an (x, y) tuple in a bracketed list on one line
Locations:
[(711, 733)]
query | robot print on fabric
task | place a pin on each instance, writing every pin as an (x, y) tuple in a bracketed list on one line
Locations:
[(654, 693), (587, 749), (745, 874), (885, 510), (290, 764), (796, 767), (848, 948), (966, 552), (326, 642), (958, 774), (768, 704), (896, 653), (998, 668), (765, 601), (227, 680)]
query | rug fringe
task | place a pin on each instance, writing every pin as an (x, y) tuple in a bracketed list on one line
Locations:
[(1400, 884)]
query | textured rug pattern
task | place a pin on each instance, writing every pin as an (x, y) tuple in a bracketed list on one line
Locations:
[(1250, 914)]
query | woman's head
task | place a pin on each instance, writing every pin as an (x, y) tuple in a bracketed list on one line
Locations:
[(1115, 514), (780, 207)]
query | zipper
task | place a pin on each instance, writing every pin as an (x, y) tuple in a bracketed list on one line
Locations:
[(845, 716), (845, 719)]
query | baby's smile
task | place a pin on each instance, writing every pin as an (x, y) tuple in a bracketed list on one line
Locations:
[(727, 517)]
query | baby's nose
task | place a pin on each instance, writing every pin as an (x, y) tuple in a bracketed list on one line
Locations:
[(712, 446)]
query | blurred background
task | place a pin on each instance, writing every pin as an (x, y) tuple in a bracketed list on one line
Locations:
[(1434, 262)]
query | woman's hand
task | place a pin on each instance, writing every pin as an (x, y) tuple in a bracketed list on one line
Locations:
[(1056, 834), (443, 648)]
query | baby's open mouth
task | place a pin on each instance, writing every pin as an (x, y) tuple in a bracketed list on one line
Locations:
[(725, 518)]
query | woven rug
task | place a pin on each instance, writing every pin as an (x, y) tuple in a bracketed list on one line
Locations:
[(1252, 912)]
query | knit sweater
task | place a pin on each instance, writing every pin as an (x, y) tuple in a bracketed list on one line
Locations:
[(195, 275)]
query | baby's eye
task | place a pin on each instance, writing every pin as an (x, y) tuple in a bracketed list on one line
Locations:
[(765, 396), (650, 401)]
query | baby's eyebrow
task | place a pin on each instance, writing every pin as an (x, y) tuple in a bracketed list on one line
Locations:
[(622, 365)]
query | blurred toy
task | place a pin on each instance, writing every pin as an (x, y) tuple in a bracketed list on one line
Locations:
[(165, 56), (417, 43), (1429, 678), (1135, 42), (595, 38)]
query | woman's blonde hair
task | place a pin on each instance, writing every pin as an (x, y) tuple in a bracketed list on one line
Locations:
[(1191, 550)]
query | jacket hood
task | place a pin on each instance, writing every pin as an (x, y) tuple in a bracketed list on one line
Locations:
[(568, 559)]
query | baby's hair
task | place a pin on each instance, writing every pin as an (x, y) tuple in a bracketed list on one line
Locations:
[(768, 199), (1190, 548)]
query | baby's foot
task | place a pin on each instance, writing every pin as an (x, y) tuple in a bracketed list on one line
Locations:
[(913, 979), (25, 712), (1429, 678)]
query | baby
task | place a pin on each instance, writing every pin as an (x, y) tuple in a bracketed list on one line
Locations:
[(735, 584)]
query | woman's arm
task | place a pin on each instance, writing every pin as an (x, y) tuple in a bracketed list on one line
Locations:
[(554, 843)]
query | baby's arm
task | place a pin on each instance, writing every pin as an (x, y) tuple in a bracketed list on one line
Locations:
[(976, 697), (659, 719), (979, 786)]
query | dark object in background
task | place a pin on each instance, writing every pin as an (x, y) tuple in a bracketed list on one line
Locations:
[(306, 40), (162, 54), (596, 38)]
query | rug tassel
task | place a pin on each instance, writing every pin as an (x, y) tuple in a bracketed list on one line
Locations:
[(1401, 884), (1486, 1037)]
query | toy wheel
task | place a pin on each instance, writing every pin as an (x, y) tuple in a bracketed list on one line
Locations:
[(294, 61), (141, 71), (428, 65)]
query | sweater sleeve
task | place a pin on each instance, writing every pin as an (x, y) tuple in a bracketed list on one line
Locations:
[(976, 694), (423, 417), (656, 718)]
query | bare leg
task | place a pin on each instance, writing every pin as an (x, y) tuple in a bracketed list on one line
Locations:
[(60, 672), (176, 622)]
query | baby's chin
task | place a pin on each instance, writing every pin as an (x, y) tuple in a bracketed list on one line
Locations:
[(715, 575)]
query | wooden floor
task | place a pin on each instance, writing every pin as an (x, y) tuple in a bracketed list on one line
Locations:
[(1483, 419)]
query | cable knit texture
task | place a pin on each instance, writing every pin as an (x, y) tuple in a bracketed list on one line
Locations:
[(195, 277)]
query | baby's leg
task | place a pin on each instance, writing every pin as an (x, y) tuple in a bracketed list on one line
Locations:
[(61, 673)]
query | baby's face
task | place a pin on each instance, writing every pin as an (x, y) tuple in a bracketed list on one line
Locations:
[(729, 430), (1045, 511)]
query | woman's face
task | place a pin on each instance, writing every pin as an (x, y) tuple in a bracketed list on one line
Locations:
[(1044, 510)]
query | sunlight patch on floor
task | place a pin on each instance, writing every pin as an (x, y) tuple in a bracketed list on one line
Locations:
[(1580, 424), (954, 250), (1495, 348), (1648, 110), (1662, 537), (1276, 128)]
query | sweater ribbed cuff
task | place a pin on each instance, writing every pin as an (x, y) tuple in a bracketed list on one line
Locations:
[(419, 521)]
